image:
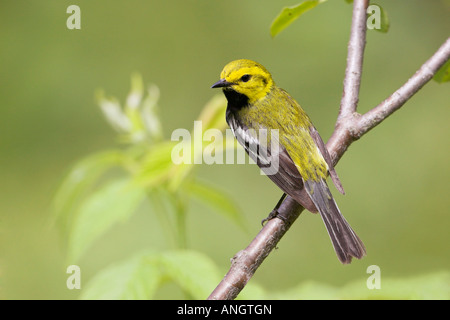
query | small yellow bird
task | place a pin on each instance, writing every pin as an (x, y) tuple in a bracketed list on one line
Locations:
[(255, 103)]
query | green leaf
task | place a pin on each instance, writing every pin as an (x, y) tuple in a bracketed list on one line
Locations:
[(289, 14), (377, 18), (149, 114), (213, 114), (193, 271), (138, 119), (216, 199), (157, 165), (135, 279), (134, 98), (443, 74), (81, 177), (140, 277), (132, 107), (114, 202)]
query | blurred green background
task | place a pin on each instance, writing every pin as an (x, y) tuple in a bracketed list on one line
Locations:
[(396, 177)]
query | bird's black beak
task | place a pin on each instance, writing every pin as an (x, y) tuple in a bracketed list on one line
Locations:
[(222, 83)]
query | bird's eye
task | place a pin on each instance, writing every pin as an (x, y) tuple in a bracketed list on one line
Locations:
[(245, 77)]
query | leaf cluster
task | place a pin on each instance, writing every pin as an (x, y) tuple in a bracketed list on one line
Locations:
[(109, 186)]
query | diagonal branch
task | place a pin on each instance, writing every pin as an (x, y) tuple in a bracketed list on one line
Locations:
[(373, 117), (245, 263), (354, 126), (350, 126)]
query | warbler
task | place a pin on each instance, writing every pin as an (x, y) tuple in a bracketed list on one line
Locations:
[(255, 102)]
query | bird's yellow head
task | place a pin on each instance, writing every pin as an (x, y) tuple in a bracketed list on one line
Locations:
[(247, 78)]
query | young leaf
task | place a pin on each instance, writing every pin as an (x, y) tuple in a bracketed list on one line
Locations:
[(135, 279), (114, 202), (289, 14), (81, 178), (149, 114), (134, 98), (443, 74), (132, 110), (113, 113), (216, 199), (157, 165), (193, 271), (213, 114), (140, 276)]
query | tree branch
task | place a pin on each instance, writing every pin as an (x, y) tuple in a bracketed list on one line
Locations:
[(373, 117), (245, 263), (355, 56), (354, 126), (350, 126)]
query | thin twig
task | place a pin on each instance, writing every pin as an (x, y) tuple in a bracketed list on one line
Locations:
[(354, 125), (350, 127), (355, 56), (373, 117)]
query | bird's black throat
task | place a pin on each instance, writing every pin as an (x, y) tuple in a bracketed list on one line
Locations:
[(236, 100)]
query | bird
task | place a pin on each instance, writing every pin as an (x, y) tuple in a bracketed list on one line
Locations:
[(256, 108)]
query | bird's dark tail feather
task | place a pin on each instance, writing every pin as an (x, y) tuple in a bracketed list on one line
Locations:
[(345, 241)]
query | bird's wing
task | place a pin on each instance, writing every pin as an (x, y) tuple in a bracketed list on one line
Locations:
[(276, 164), (324, 151)]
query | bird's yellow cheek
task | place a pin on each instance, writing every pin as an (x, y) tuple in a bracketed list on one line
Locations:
[(253, 93)]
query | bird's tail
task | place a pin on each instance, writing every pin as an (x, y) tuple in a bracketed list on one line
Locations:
[(345, 241)]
